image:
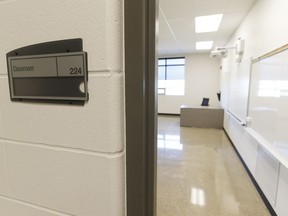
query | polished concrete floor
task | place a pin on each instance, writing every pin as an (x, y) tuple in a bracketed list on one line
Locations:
[(200, 174)]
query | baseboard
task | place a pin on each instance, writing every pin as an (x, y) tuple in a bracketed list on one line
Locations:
[(168, 114), (262, 195)]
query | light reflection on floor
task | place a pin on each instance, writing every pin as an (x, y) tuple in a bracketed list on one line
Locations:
[(200, 174), (170, 142)]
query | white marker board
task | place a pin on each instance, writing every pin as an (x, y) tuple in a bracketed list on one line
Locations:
[(268, 104), (239, 90)]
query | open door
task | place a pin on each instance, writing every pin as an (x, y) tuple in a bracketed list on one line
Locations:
[(141, 96)]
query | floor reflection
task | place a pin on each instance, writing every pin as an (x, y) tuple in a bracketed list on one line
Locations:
[(166, 141), (200, 174), (198, 196)]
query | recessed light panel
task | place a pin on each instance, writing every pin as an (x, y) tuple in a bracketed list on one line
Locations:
[(209, 23), (204, 45)]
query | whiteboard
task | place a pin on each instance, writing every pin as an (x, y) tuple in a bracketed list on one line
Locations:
[(268, 104), (239, 90)]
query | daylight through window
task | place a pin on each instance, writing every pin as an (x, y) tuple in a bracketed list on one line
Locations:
[(171, 76)]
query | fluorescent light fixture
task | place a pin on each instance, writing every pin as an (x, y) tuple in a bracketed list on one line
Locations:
[(204, 45), (209, 23)]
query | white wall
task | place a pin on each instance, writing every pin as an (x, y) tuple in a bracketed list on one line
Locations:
[(59, 159), (202, 79), (264, 30)]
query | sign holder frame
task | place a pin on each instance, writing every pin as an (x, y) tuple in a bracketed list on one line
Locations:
[(60, 75)]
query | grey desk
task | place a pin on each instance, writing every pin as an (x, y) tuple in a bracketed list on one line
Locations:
[(202, 117)]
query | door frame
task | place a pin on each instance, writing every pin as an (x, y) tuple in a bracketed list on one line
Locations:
[(140, 20)]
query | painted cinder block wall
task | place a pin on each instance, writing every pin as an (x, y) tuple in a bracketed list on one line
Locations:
[(61, 160)]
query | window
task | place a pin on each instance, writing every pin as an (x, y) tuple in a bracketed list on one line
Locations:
[(171, 76)]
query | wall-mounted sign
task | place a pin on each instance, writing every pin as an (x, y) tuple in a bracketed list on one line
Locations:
[(60, 76)]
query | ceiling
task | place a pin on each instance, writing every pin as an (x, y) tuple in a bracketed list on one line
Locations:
[(177, 26)]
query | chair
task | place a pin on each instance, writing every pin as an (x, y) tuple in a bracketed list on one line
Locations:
[(205, 102)]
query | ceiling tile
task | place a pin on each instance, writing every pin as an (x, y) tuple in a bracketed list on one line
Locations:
[(178, 9), (208, 7), (238, 5), (167, 43), (163, 27), (183, 30), (177, 26)]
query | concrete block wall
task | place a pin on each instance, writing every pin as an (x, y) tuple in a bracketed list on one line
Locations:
[(62, 160)]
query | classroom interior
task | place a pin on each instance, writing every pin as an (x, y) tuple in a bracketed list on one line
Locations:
[(253, 96)]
